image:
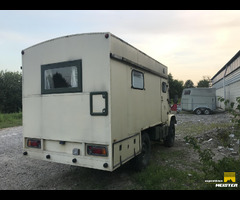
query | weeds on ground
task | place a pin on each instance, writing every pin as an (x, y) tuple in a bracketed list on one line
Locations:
[(213, 170), (156, 177), (216, 169), (230, 107), (10, 120)]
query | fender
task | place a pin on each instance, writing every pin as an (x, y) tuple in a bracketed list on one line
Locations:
[(171, 117)]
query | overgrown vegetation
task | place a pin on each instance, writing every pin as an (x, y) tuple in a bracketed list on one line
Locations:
[(175, 171), (10, 120), (10, 92), (157, 177), (213, 170), (233, 108), (10, 99)]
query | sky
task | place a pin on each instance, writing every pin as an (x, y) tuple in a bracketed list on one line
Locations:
[(191, 43)]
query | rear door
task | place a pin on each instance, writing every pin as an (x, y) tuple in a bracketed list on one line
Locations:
[(164, 99)]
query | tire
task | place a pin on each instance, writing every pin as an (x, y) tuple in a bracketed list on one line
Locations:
[(170, 139), (142, 160), (198, 111), (206, 112)]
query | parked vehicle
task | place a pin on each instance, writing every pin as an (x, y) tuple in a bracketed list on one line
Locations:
[(199, 100), (95, 101)]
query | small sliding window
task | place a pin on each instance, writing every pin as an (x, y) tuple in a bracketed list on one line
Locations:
[(137, 80), (62, 77)]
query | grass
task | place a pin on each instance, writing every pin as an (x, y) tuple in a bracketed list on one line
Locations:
[(157, 177), (171, 170), (168, 170), (173, 177), (10, 120), (196, 129)]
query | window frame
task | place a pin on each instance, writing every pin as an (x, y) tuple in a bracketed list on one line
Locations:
[(187, 92), (132, 83), (105, 110), (164, 87), (76, 63)]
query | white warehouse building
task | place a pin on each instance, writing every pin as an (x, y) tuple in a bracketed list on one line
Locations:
[(227, 80)]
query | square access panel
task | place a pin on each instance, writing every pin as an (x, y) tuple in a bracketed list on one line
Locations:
[(99, 103)]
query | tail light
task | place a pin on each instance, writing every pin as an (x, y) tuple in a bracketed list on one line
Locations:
[(34, 143), (97, 150)]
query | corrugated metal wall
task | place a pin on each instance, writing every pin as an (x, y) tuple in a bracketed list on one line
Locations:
[(231, 81)]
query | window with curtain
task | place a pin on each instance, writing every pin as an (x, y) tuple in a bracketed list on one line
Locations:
[(62, 77)]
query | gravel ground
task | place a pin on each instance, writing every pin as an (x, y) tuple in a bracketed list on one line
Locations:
[(22, 173), (18, 172), (214, 132)]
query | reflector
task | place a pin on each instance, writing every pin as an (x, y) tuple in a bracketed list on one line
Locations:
[(35, 143), (97, 150)]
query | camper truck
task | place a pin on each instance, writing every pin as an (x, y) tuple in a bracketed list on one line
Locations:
[(93, 100), (199, 100)]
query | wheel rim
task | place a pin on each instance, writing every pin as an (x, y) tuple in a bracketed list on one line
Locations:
[(206, 112), (198, 112)]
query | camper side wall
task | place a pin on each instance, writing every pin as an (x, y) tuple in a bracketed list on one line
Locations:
[(133, 109), (139, 93)]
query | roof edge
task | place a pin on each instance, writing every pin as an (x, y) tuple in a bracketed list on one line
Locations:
[(228, 63), (66, 36)]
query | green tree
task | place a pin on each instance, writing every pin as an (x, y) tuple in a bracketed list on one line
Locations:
[(189, 84), (10, 91), (205, 82), (175, 87)]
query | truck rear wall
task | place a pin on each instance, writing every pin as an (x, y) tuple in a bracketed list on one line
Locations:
[(66, 116)]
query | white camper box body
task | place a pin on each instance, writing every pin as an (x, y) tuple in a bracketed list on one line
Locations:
[(199, 100), (114, 93)]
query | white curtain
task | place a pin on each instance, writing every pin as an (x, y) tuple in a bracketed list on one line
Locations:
[(70, 74), (74, 77), (48, 79)]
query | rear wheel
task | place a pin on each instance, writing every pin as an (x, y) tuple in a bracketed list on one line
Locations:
[(198, 111), (206, 112), (169, 141), (142, 160)]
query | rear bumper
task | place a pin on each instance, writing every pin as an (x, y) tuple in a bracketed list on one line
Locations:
[(72, 153), (82, 161)]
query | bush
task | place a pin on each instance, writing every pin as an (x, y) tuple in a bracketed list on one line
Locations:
[(10, 92), (213, 169), (233, 108)]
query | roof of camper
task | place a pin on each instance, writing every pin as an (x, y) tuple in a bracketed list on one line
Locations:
[(66, 36), (93, 33), (97, 33)]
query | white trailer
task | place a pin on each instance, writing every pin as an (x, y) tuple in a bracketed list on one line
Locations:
[(199, 100), (93, 100)]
